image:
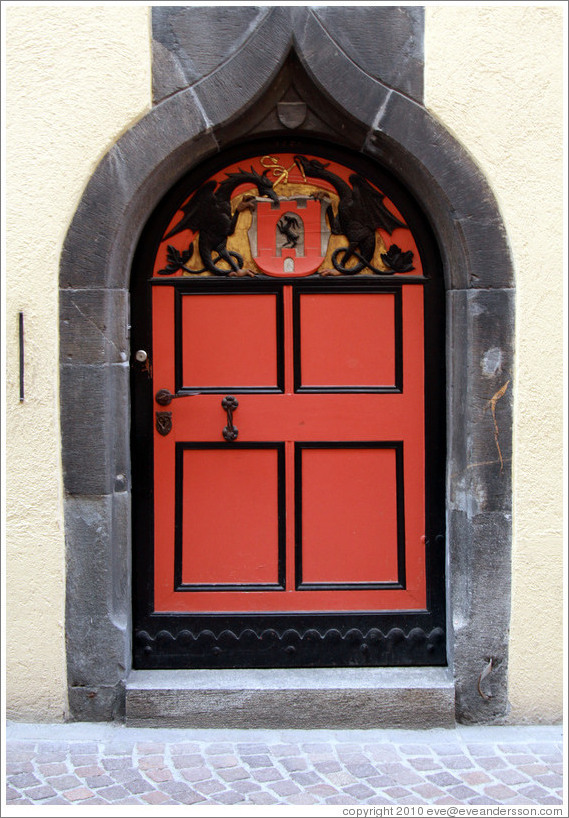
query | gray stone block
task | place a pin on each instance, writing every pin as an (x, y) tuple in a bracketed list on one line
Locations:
[(89, 240), (339, 78), (127, 185), (455, 182), (480, 605), (98, 589), (154, 139), (95, 439), (432, 198), (480, 397), (190, 43), (489, 259), (93, 326), (480, 335), (384, 41), (240, 81), (95, 703), (308, 699)]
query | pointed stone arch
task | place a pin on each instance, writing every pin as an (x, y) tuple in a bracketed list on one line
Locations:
[(308, 57)]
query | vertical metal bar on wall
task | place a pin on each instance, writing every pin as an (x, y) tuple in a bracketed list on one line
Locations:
[(21, 340)]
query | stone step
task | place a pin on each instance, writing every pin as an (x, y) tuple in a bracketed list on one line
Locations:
[(332, 698)]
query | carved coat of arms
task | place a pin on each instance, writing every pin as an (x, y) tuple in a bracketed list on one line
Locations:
[(288, 215)]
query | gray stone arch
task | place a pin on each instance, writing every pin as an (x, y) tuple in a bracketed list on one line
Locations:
[(369, 100)]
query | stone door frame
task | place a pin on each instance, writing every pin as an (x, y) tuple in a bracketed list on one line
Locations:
[(175, 136)]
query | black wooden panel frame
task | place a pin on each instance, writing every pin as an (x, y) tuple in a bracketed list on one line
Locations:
[(179, 585), (397, 446)]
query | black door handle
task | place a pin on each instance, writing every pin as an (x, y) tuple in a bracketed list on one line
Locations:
[(164, 397), (230, 404)]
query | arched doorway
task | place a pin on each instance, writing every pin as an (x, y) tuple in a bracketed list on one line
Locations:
[(313, 535), (123, 193)]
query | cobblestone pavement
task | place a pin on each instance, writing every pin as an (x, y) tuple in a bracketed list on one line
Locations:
[(84, 764)]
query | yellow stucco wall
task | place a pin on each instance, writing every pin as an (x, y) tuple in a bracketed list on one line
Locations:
[(494, 76), (77, 77)]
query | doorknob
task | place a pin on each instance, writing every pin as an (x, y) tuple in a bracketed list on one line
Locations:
[(230, 404), (164, 397)]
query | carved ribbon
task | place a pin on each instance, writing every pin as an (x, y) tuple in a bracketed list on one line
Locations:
[(279, 171)]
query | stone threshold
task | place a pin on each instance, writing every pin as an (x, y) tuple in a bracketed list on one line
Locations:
[(311, 698)]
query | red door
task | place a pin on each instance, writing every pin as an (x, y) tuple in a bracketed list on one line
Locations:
[(289, 441), (319, 502)]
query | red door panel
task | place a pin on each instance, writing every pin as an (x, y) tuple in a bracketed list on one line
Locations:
[(229, 530), (350, 532), (229, 341), (348, 340)]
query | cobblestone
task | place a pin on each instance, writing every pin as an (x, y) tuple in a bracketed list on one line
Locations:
[(155, 797), (230, 797), (510, 776), (40, 793), (209, 787), (425, 764), (500, 792), (304, 779), (14, 768), (102, 764), (113, 793), (491, 762), (246, 786), (78, 794), (459, 762), (223, 762), (257, 761), (428, 791), (443, 779), (267, 774), (194, 774)]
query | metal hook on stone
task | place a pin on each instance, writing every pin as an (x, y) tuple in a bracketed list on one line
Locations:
[(485, 673)]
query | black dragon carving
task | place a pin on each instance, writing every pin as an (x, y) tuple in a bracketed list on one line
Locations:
[(360, 213), (209, 213)]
